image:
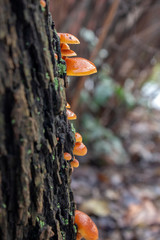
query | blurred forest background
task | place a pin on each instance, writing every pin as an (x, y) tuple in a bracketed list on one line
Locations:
[(118, 109)]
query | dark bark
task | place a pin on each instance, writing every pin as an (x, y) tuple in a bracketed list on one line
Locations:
[(36, 201)]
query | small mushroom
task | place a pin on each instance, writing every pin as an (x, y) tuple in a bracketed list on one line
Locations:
[(55, 55), (71, 115), (79, 149), (79, 67), (68, 53), (68, 38), (67, 156), (64, 46), (75, 163), (78, 137), (43, 3), (68, 105), (86, 227)]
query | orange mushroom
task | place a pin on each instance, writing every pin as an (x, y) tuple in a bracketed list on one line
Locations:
[(67, 156), (64, 46), (68, 38), (75, 163), (79, 149), (71, 115), (68, 105), (79, 67), (68, 53), (86, 227), (55, 55), (78, 137), (43, 3)]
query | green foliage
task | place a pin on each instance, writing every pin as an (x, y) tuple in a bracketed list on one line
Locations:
[(103, 141), (124, 96), (104, 90)]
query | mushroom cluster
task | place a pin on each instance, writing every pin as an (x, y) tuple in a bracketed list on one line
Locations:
[(77, 66)]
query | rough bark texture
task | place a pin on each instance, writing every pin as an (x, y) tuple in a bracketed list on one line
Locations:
[(36, 201)]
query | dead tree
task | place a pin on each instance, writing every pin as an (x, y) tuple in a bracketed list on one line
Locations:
[(36, 201)]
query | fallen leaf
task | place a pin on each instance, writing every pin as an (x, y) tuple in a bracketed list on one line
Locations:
[(96, 207)]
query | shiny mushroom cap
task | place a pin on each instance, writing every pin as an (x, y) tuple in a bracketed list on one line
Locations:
[(71, 115), (43, 3), (79, 67), (67, 156), (79, 149), (55, 55), (78, 137), (68, 53), (75, 163), (86, 227), (68, 38), (64, 46), (68, 105)]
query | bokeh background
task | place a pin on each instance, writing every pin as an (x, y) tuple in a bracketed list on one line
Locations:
[(118, 109)]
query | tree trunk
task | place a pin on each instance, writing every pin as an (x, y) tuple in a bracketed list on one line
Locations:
[(36, 201)]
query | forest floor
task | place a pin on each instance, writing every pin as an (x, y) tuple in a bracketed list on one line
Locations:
[(124, 200)]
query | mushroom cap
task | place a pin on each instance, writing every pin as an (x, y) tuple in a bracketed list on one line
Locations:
[(55, 55), (78, 137), (79, 149), (68, 105), (79, 236), (64, 46), (68, 38), (75, 163), (86, 227), (67, 156), (68, 53), (79, 67), (71, 115), (43, 3)]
